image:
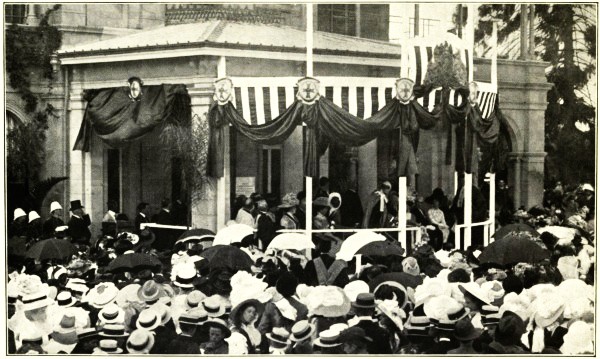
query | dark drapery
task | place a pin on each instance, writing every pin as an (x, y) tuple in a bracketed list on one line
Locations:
[(117, 119), (326, 123)]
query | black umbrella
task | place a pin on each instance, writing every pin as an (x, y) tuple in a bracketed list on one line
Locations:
[(382, 249), (196, 235), (407, 280), (515, 227), (52, 248), (226, 256), (133, 261), (512, 249)]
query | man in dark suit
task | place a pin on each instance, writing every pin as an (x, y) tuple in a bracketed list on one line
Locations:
[(54, 221), (164, 216), (141, 216), (79, 223), (364, 308)]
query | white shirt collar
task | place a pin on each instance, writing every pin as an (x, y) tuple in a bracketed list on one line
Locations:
[(74, 215), (143, 215), (166, 210)]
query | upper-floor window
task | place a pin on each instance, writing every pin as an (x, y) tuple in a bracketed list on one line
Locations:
[(339, 19), (426, 26), (15, 14)]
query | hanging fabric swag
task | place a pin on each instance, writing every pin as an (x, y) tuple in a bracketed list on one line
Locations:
[(117, 118), (326, 123)]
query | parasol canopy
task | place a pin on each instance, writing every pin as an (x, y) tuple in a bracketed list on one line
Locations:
[(405, 279), (52, 248), (133, 261), (515, 227), (294, 241), (513, 248), (230, 257), (382, 249), (355, 242), (196, 235), (232, 234)]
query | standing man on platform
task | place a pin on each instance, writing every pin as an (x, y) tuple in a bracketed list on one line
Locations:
[(164, 216), (54, 221), (79, 223), (141, 216)]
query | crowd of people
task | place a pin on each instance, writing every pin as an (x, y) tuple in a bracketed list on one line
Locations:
[(252, 295)]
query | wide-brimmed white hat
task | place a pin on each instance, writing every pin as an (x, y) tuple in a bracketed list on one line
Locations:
[(54, 206), (587, 187), (19, 213), (354, 288), (475, 290), (33, 215), (102, 294)]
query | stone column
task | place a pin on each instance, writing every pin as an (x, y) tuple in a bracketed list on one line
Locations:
[(204, 205), (31, 18), (533, 165), (515, 180)]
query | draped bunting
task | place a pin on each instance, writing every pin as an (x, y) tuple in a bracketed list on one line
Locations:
[(118, 119), (326, 123)]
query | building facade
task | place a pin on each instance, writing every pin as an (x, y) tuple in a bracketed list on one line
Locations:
[(143, 46)]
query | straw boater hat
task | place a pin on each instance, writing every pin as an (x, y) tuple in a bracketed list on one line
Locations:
[(19, 213), (301, 331), (418, 325), (140, 342), (213, 307), (198, 312), (65, 299), (148, 320), (112, 314), (163, 311), (194, 298), (219, 323), (54, 206), (87, 333), (108, 346), (190, 318), (185, 276), (279, 338), (33, 215), (288, 201), (328, 339), (113, 331)]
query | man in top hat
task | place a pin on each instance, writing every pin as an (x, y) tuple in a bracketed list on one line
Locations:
[(79, 223), (364, 309), (54, 221), (376, 209)]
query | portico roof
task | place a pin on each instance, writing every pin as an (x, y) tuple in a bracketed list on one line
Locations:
[(204, 38)]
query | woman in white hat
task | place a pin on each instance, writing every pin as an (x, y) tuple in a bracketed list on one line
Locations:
[(289, 204), (54, 221)]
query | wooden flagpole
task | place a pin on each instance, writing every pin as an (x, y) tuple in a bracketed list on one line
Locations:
[(309, 73)]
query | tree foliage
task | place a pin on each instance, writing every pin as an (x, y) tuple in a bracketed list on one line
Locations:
[(565, 37), (28, 48)]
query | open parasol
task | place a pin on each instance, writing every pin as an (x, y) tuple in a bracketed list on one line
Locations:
[(355, 242), (133, 261), (295, 241), (196, 235), (405, 279), (52, 248), (225, 256), (232, 234), (513, 248), (381, 249)]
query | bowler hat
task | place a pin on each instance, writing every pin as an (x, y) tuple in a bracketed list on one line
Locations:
[(465, 331), (364, 300)]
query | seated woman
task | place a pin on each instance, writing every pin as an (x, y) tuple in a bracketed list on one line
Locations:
[(437, 219)]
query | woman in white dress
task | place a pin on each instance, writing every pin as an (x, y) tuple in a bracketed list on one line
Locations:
[(436, 216)]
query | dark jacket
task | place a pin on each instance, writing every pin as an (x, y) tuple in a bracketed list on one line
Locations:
[(163, 217), (183, 345), (381, 341), (351, 209), (138, 220), (265, 229), (50, 226), (78, 229)]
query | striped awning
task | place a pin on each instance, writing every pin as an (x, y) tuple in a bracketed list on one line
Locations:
[(262, 99)]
